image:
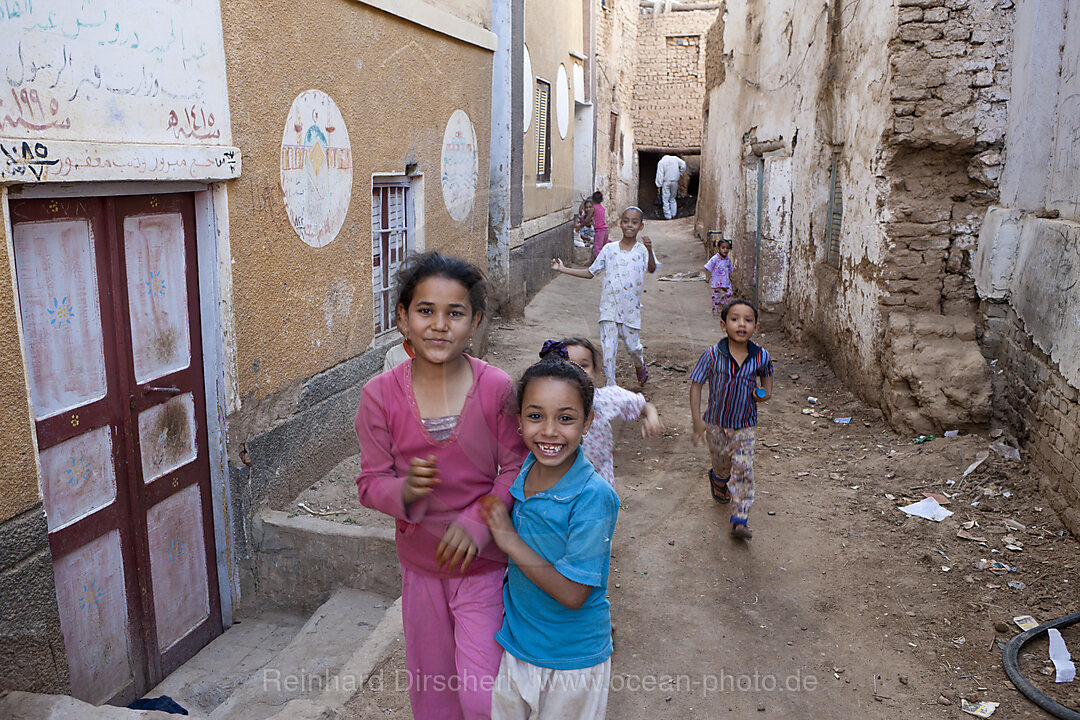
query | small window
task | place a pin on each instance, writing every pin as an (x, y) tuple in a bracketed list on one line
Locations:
[(392, 226), (614, 131), (834, 221), (543, 136)]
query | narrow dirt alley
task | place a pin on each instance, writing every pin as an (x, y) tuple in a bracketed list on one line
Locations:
[(840, 606)]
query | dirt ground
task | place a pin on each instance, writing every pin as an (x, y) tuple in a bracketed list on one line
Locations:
[(841, 605)]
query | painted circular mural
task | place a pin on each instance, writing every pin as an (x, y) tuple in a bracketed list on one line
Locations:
[(316, 168), (459, 166)]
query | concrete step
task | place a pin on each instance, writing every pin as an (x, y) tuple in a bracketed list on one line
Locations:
[(205, 681), (309, 664)]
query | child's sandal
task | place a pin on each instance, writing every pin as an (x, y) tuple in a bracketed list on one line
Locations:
[(642, 374), (741, 531), (719, 488)]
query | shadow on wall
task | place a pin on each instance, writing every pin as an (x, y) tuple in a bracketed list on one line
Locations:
[(648, 198)]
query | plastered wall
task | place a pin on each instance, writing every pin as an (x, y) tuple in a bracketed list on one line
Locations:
[(553, 29), (299, 309), (616, 48)]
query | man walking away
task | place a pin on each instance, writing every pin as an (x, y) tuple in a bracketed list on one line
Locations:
[(668, 171)]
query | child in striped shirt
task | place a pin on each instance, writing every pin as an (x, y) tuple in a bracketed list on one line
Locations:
[(731, 368)]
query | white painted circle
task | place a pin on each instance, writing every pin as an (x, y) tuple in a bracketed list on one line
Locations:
[(459, 166), (528, 89), (562, 101), (579, 83), (316, 168)]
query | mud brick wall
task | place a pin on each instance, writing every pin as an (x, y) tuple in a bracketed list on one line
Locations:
[(1033, 398), (715, 57), (669, 89), (950, 69)]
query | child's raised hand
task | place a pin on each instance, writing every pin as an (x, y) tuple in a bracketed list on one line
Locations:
[(423, 479), (647, 242), (557, 265), (456, 546), (498, 520)]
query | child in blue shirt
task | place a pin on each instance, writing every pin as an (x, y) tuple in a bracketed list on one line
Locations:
[(556, 633)]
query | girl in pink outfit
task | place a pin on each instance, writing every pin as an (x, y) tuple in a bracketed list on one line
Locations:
[(600, 228), (437, 433)]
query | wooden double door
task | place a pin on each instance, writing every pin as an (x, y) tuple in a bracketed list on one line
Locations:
[(109, 296)]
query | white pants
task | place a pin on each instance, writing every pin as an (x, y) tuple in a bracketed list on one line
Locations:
[(524, 691), (610, 332), (669, 190)]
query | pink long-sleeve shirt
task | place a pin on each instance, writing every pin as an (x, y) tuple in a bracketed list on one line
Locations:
[(482, 456)]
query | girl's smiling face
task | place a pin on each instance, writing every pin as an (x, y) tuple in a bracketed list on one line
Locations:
[(583, 358), (631, 223), (439, 321), (553, 419)]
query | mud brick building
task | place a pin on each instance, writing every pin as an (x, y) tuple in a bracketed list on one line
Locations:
[(199, 277), (869, 153), (669, 89)]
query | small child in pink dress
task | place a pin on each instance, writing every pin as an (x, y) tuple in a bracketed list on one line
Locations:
[(599, 223), (720, 268), (610, 402)]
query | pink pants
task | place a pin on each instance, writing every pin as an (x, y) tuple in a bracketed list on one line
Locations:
[(599, 241), (450, 650)]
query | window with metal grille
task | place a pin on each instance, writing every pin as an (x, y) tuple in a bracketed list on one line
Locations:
[(834, 221), (543, 136), (392, 226)]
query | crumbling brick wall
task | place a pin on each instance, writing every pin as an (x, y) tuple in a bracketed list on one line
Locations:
[(940, 166), (669, 88), (950, 68), (1042, 408)]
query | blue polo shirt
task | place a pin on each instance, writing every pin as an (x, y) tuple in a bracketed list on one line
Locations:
[(570, 526)]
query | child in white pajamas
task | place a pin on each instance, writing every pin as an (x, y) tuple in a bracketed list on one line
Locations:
[(624, 265)]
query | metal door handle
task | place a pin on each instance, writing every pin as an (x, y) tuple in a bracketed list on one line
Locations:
[(147, 389)]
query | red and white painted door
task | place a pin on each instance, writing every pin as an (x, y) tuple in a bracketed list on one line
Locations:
[(109, 296)]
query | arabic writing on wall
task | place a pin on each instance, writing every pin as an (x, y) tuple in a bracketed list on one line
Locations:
[(113, 71)]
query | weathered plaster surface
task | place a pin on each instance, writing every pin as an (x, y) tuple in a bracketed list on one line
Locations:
[(617, 52), (19, 488), (553, 29), (396, 84)]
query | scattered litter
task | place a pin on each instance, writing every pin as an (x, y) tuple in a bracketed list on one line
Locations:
[(1059, 655), (1017, 585), (971, 524), (842, 421), (659, 488), (941, 499), (965, 535), (980, 564), (945, 568), (684, 276), (959, 640), (979, 460), (1005, 450), (952, 433), (1015, 525), (1026, 622), (1014, 548), (854, 487), (922, 439), (812, 400), (1006, 493), (928, 509), (771, 444), (1000, 566), (890, 496), (980, 709), (942, 700), (793, 377)]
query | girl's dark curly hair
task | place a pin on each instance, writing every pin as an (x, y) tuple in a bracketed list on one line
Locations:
[(434, 264), (552, 365)]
